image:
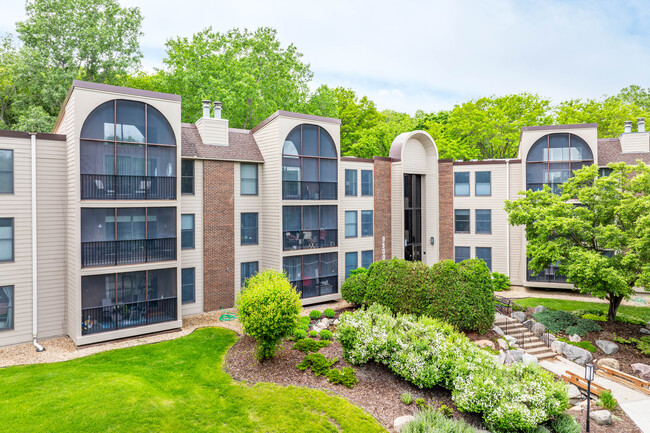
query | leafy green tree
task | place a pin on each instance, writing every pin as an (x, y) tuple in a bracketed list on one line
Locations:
[(249, 72), (35, 119), (449, 145), (8, 54), (597, 231), (322, 103), (357, 115), (636, 95), (376, 140)]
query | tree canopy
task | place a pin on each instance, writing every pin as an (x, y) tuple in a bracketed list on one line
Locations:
[(597, 231)]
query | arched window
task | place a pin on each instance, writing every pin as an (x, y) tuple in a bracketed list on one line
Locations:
[(128, 151), (309, 164), (553, 159)]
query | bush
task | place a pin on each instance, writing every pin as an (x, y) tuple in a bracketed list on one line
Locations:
[(565, 322), (433, 421), (624, 318), (299, 334), (421, 403), (329, 313), (607, 401), (446, 411), (314, 314), (307, 345), (564, 423), (406, 397), (595, 318), (318, 363), (353, 289), (582, 344), (326, 334), (427, 352), (313, 334), (500, 282), (268, 308), (346, 376), (460, 294)]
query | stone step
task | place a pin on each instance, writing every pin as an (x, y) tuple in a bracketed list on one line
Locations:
[(533, 345), (545, 355), (535, 350)]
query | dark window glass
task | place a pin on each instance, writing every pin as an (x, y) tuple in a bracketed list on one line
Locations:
[(130, 121), (413, 217), (249, 228), (351, 224), (461, 220), (6, 239), (159, 131), (483, 183), (187, 231), (327, 148), (309, 227), (461, 183), (366, 259), (187, 176), (309, 140), (6, 307), (350, 182), (485, 254), (366, 223), (351, 263), (6, 171), (162, 283), (187, 285), (248, 179), (604, 171), (483, 221), (161, 223), (366, 182), (461, 253), (131, 223), (248, 269), (161, 161), (100, 124), (313, 274)]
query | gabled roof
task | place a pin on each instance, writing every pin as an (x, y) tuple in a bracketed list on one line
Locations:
[(241, 145)]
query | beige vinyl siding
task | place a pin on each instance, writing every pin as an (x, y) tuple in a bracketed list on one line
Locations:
[(213, 131), (635, 142), (517, 233), (397, 209), (193, 258)]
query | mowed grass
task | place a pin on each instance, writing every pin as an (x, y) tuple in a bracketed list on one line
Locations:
[(175, 386), (560, 304)]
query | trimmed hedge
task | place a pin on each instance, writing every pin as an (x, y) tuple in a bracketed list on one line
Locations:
[(460, 294)]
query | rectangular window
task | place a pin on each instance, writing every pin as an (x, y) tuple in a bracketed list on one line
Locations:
[(350, 182), (483, 181), (306, 227), (6, 171), (6, 307), (188, 285), (248, 269), (461, 220), (366, 259), (6, 239), (366, 223), (248, 179), (351, 224), (602, 171), (187, 176), (461, 253), (366, 182), (483, 221), (351, 263), (485, 254), (187, 231), (313, 274), (461, 183), (249, 228)]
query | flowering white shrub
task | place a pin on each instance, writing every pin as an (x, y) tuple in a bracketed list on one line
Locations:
[(428, 352)]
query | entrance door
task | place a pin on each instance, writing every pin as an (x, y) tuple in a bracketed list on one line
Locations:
[(413, 217)]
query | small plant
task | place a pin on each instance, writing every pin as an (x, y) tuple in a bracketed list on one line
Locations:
[(581, 344), (299, 334), (446, 411), (564, 423), (308, 345), (434, 421), (621, 340), (607, 401), (491, 350), (500, 282), (325, 334), (314, 314), (563, 321), (318, 363), (346, 376), (313, 334), (421, 403), (406, 397), (329, 313), (624, 318), (595, 317)]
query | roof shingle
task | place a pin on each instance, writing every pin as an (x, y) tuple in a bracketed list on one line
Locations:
[(241, 145)]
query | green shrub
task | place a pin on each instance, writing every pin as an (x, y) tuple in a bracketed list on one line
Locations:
[(582, 344), (314, 314), (624, 318), (429, 421), (500, 282), (565, 322), (346, 376), (299, 334), (607, 401), (313, 334), (329, 313), (307, 345), (595, 317), (268, 308), (564, 423), (325, 334), (421, 403), (621, 340), (353, 289), (406, 397), (446, 411), (460, 294), (318, 363)]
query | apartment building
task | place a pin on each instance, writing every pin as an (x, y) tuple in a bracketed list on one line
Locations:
[(125, 219)]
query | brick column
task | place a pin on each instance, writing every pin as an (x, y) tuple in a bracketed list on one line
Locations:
[(218, 234), (446, 206), (382, 213)]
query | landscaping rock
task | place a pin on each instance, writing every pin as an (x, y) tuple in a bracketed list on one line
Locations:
[(400, 422), (647, 325), (517, 355), (608, 347), (527, 358), (577, 354), (336, 322), (529, 324), (502, 358), (539, 309), (503, 343), (575, 396), (642, 370), (519, 316), (575, 338), (511, 340), (538, 329), (498, 331), (558, 346), (609, 362), (645, 331), (601, 417), (323, 323), (548, 339), (485, 343)]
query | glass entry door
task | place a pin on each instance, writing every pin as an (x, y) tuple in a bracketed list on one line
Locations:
[(413, 217)]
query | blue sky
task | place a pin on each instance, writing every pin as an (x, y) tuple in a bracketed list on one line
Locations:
[(429, 55)]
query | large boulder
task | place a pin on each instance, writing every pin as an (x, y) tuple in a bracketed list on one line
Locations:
[(539, 309), (575, 338), (519, 316), (601, 417), (503, 344), (558, 346), (645, 331), (512, 340), (517, 355), (400, 422), (575, 396), (538, 329), (529, 324), (527, 358), (642, 370), (608, 347), (498, 330), (577, 354), (548, 339), (609, 362), (484, 343)]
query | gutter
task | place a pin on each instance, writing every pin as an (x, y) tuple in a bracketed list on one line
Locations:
[(39, 348), (507, 225)]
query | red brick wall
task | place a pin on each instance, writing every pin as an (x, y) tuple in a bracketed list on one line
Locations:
[(382, 212), (218, 234), (446, 206)]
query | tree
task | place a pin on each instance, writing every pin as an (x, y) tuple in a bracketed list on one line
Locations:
[(356, 114), (8, 54), (376, 140), (322, 103), (636, 95), (250, 73), (597, 231)]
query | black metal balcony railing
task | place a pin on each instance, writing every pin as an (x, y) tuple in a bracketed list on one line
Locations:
[(128, 315), (302, 190), (307, 239), (312, 287), (113, 253), (556, 188), (110, 187)]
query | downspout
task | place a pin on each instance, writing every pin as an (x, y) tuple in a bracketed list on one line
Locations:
[(507, 225), (39, 348)]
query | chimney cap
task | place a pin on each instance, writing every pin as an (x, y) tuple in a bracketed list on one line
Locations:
[(217, 104), (628, 122), (641, 119)]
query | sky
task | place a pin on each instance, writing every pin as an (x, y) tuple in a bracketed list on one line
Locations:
[(428, 55)]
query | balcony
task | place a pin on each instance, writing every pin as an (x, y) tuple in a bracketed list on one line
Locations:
[(111, 187), (549, 275), (128, 315), (308, 239), (113, 253), (302, 190)]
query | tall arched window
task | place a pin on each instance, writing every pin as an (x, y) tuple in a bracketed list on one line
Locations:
[(553, 159), (128, 151), (309, 164)]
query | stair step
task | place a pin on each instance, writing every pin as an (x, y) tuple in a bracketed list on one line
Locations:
[(538, 350), (545, 355)]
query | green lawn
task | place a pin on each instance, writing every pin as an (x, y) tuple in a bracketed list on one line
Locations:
[(560, 304), (175, 386)]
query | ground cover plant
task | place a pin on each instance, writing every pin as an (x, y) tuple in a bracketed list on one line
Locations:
[(581, 344), (565, 424), (566, 323), (642, 313), (428, 352), (434, 421), (175, 386), (308, 345)]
